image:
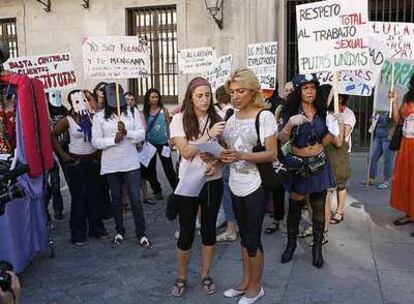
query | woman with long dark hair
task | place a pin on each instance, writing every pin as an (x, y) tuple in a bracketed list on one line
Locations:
[(199, 123), (305, 125), (157, 133), (117, 137), (82, 167), (402, 186)]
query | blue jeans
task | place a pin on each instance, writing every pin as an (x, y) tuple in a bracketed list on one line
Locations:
[(380, 146), (132, 182), (227, 200)]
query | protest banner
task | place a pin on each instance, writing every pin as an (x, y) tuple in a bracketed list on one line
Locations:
[(400, 39), (332, 35), (54, 70), (262, 60), (116, 57), (403, 72), (196, 61), (219, 72), (398, 36), (360, 81)]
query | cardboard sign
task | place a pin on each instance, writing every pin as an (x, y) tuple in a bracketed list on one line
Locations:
[(116, 57), (262, 60), (398, 36), (196, 61), (403, 72), (361, 81), (220, 72), (54, 70), (332, 35)]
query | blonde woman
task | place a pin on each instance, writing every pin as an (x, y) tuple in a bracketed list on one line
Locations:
[(245, 183)]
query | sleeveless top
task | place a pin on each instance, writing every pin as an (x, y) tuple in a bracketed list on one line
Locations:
[(158, 134), (408, 127), (78, 144)]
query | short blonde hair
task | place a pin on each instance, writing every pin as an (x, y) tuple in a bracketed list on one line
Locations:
[(247, 79)]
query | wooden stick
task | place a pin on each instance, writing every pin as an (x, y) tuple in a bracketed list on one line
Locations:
[(392, 84), (336, 91), (118, 103)]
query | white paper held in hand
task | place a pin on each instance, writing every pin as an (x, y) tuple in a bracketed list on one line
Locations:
[(147, 153), (166, 151), (211, 147), (193, 181), (332, 124)]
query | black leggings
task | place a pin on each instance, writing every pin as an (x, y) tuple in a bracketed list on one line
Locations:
[(249, 212), (209, 200), (317, 201)]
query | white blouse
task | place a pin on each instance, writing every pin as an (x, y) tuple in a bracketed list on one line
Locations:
[(122, 156)]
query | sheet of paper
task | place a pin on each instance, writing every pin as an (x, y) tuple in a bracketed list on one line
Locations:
[(211, 147), (166, 151), (147, 153), (332, 124), (193, 181)]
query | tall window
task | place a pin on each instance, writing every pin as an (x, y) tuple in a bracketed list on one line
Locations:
[(8, 36), (379, 10), (159, 26)]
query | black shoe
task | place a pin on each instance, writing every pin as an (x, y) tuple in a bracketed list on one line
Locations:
[(289, 250), (59, 216), (317, 255)]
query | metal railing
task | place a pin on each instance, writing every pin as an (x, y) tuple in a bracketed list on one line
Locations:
[(159, 26), (8, 36)]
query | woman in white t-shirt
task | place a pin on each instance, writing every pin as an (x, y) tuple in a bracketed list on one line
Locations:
[(199, 123), (117, 137), (248, 195)]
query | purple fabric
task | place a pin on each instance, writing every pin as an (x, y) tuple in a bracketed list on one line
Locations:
[(23, 230)]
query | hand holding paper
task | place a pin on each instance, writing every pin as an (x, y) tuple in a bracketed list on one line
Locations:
[(332, 124), (211, 147)]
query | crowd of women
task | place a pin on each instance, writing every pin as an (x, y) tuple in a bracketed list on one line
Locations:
[(101, 161)]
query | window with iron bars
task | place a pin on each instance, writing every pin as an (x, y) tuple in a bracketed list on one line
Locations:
[(158, 25), (379, 10), (8, 36)]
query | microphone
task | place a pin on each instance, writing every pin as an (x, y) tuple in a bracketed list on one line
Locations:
[(229, 113)]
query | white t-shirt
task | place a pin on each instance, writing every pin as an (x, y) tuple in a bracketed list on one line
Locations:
[(240, 135), (122, 156), (177, 130), (350, 120)]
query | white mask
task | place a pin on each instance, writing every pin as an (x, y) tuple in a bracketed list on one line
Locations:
[(55, 98), (79, 103)]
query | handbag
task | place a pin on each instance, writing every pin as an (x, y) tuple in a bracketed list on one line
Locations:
[(272, 173), (395, 142)]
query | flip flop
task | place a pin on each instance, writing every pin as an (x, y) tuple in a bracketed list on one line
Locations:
[(402, 221), (273, 227), (180, 286), (208, 286)]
